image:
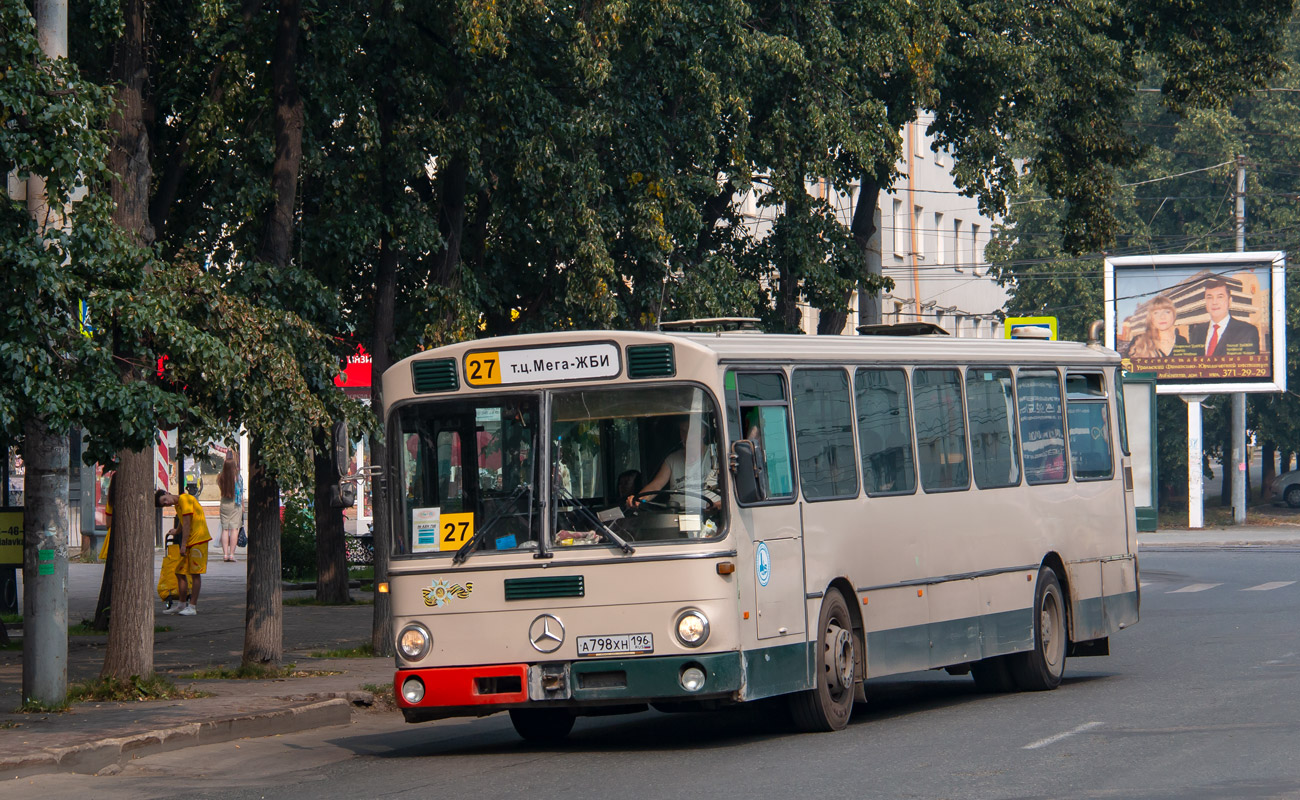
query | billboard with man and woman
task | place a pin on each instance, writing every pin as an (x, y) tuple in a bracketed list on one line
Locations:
[(1204, 323)]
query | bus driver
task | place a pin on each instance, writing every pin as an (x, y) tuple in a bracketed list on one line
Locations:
[(690, 473)]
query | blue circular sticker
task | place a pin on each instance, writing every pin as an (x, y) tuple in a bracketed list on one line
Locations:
[(763, 563)]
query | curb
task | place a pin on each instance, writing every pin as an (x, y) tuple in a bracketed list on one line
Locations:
[(94, 756)]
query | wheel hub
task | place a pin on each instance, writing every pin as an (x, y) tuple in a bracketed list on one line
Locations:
[(839, 646)]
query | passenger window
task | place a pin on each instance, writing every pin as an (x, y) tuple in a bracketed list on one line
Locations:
[(1041, 429), (884, 431), (940, 429), (1089, 419), (823, 424), (990, 403), (763, 421)]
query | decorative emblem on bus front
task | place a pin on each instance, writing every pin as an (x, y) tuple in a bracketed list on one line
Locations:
[(546, 633), (440, 593)]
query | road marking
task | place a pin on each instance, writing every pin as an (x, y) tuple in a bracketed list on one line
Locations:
[(1268, 587), (1087, 726), (1144, 584), (1195, 587)]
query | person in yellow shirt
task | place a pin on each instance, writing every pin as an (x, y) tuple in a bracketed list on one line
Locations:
[(193, 527)]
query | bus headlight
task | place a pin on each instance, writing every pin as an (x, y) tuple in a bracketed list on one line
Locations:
[(413, 690), (692, 628), (691, 678), (414, 641)]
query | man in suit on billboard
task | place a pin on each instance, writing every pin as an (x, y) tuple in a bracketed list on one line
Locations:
[(1222, 330)]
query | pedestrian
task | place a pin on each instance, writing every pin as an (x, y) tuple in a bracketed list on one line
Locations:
[(194, 537), (231, 484)]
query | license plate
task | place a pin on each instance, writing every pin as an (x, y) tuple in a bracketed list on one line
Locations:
[(616, 644)]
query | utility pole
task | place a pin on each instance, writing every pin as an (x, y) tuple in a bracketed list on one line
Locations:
[(1239, 465), (45, 505)]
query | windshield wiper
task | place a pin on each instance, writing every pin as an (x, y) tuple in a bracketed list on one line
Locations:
[(590, 516), (508, 506)]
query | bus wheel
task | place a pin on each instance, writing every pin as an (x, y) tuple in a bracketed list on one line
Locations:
[(541, 724), (1041, 669), (992, 675), (827, 706)]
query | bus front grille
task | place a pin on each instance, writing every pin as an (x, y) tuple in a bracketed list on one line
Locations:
[(535, 588)]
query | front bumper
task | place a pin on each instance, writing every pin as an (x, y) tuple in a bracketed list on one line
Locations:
[(481, 690)]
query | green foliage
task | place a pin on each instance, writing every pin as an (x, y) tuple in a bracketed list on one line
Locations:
[(135, 688), (364, 650), (298, 539)]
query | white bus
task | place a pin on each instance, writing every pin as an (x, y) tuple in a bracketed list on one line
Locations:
[(595, 522)]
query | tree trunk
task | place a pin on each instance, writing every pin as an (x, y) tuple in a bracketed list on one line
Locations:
[(1267, 473), (264, 614), (381, 349), (45, 564), (131, 618), (331, 560), (126, 601), (865, 232)]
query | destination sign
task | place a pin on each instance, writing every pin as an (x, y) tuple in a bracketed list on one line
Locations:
[(579, 362)]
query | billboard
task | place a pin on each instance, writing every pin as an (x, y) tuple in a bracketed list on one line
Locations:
[(1206, 323)]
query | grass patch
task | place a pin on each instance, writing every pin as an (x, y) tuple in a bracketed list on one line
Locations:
[(135, 688), (245, 672), (11, 619), (312, 601), (383, 692), (366, 650), (30, 706), (13, 644), (84, 628)]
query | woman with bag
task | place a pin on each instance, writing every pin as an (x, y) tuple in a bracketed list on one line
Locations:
[(231, 484)]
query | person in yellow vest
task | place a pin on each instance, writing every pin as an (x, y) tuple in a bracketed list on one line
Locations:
[(193, 527)]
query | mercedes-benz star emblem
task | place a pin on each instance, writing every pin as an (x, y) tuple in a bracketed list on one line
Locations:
[(546, 633)]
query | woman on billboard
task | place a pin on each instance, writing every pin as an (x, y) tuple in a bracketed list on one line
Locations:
[(1160, 337)]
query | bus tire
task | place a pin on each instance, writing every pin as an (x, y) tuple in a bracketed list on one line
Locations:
[(993, 675), (828, 705), (1041, 668), (541, 724)]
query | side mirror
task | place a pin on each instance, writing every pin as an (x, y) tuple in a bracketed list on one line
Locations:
[(343, 495), (342, 447), (747, 472)]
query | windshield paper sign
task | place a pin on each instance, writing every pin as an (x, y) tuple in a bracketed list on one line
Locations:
[(580, 362)]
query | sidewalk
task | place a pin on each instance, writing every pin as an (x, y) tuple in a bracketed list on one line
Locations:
[(1236, 536), (94, 736)]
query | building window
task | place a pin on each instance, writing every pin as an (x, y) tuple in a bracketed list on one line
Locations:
[(899, 226), (938, 238), (918, 214), (954, 246), (975, 257)]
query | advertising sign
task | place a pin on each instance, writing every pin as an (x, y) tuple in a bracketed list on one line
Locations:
[(1012, 325), (11, 537), (1205, 323)]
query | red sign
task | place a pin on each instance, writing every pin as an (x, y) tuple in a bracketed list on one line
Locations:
[(356, 372)]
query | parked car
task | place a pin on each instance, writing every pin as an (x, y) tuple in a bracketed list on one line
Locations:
[(1286, 487)]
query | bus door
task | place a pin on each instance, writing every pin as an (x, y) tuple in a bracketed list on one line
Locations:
[(762, 415)]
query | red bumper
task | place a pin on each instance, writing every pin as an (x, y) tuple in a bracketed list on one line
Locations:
[(466, 686)]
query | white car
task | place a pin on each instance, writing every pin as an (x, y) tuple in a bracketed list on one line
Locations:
[(1286, 487)]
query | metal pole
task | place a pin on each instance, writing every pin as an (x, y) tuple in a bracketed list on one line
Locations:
[(1195, 479), (45, 484), (1238, 465)]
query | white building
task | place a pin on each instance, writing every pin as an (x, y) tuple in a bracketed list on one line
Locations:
[(930, 240)]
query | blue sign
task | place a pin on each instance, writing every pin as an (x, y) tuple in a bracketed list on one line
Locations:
[(763, 563)]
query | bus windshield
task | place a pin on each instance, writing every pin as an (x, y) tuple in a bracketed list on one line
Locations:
[(644, 459), (628, 466)]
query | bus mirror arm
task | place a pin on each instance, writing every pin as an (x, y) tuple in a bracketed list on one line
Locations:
[(746, 472)]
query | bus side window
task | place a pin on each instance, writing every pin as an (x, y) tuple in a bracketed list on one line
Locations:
[(1089, 423), (940, 429), (995, 459), (763, 417), (823, 418), (884, 431), (1042, 434)]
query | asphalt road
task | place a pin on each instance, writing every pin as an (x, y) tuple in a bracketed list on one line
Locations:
[(1199, 700)]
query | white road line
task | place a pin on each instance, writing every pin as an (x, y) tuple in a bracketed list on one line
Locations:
[(1087, 726), (1195, 587), (1268, 587), (1144, 584)]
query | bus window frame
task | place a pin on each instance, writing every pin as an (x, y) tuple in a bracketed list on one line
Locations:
[(911, 426), (796, 490), (848, 387), (1041, 371), (1102, 400), (965, 437), (1121, 412), (1015, 405)]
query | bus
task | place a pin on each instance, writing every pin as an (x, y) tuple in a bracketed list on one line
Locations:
[(595, 522)]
